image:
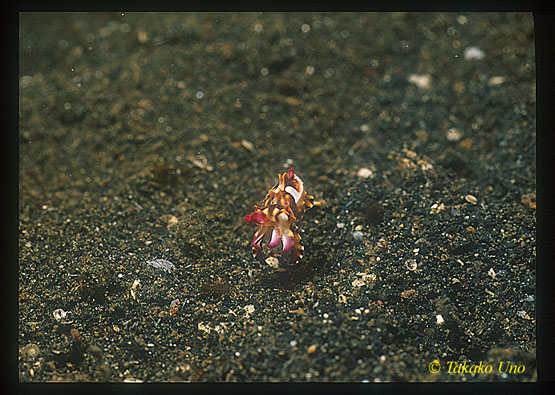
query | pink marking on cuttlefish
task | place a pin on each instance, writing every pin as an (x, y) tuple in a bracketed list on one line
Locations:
[(276, 238), (290, 173), (288, 242), (258, 217)]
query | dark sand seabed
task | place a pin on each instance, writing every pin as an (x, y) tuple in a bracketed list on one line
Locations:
[(151, 136)]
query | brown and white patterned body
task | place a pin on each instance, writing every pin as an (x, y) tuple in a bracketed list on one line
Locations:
[(284, 204)]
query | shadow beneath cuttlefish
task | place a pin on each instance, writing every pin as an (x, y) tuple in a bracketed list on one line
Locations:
[(288, 276)]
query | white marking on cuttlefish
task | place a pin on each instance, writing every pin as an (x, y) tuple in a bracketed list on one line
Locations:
[(293, 192)]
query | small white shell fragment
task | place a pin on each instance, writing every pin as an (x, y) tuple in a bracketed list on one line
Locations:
[(364, 280), (205, 328), (172, 220), (439, 319), (220, 328), (59, 314), (411, 264), (492, 273), (364, 172), (358, 283), (31, 350), (497, 80), (249, 308), (133, 288), (201, 162), (162, 264), (529, 298), (454, 134), (489, 293), (437, 207), (423, 81), (272, 261), (473, 53), (523, 314), (247, 145), (471, 199)]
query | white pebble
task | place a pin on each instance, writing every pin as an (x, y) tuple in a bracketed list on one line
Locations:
[(272, 261), (423, 81), (454, 134), (358, 283), (439, 319), (523, 314), (364, 172), (497, 80), (59, 314), (249, 308), (471, 199), (473, 53), (529, 298)]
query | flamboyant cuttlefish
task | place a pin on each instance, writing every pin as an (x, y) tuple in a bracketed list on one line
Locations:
[(284, 204)]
